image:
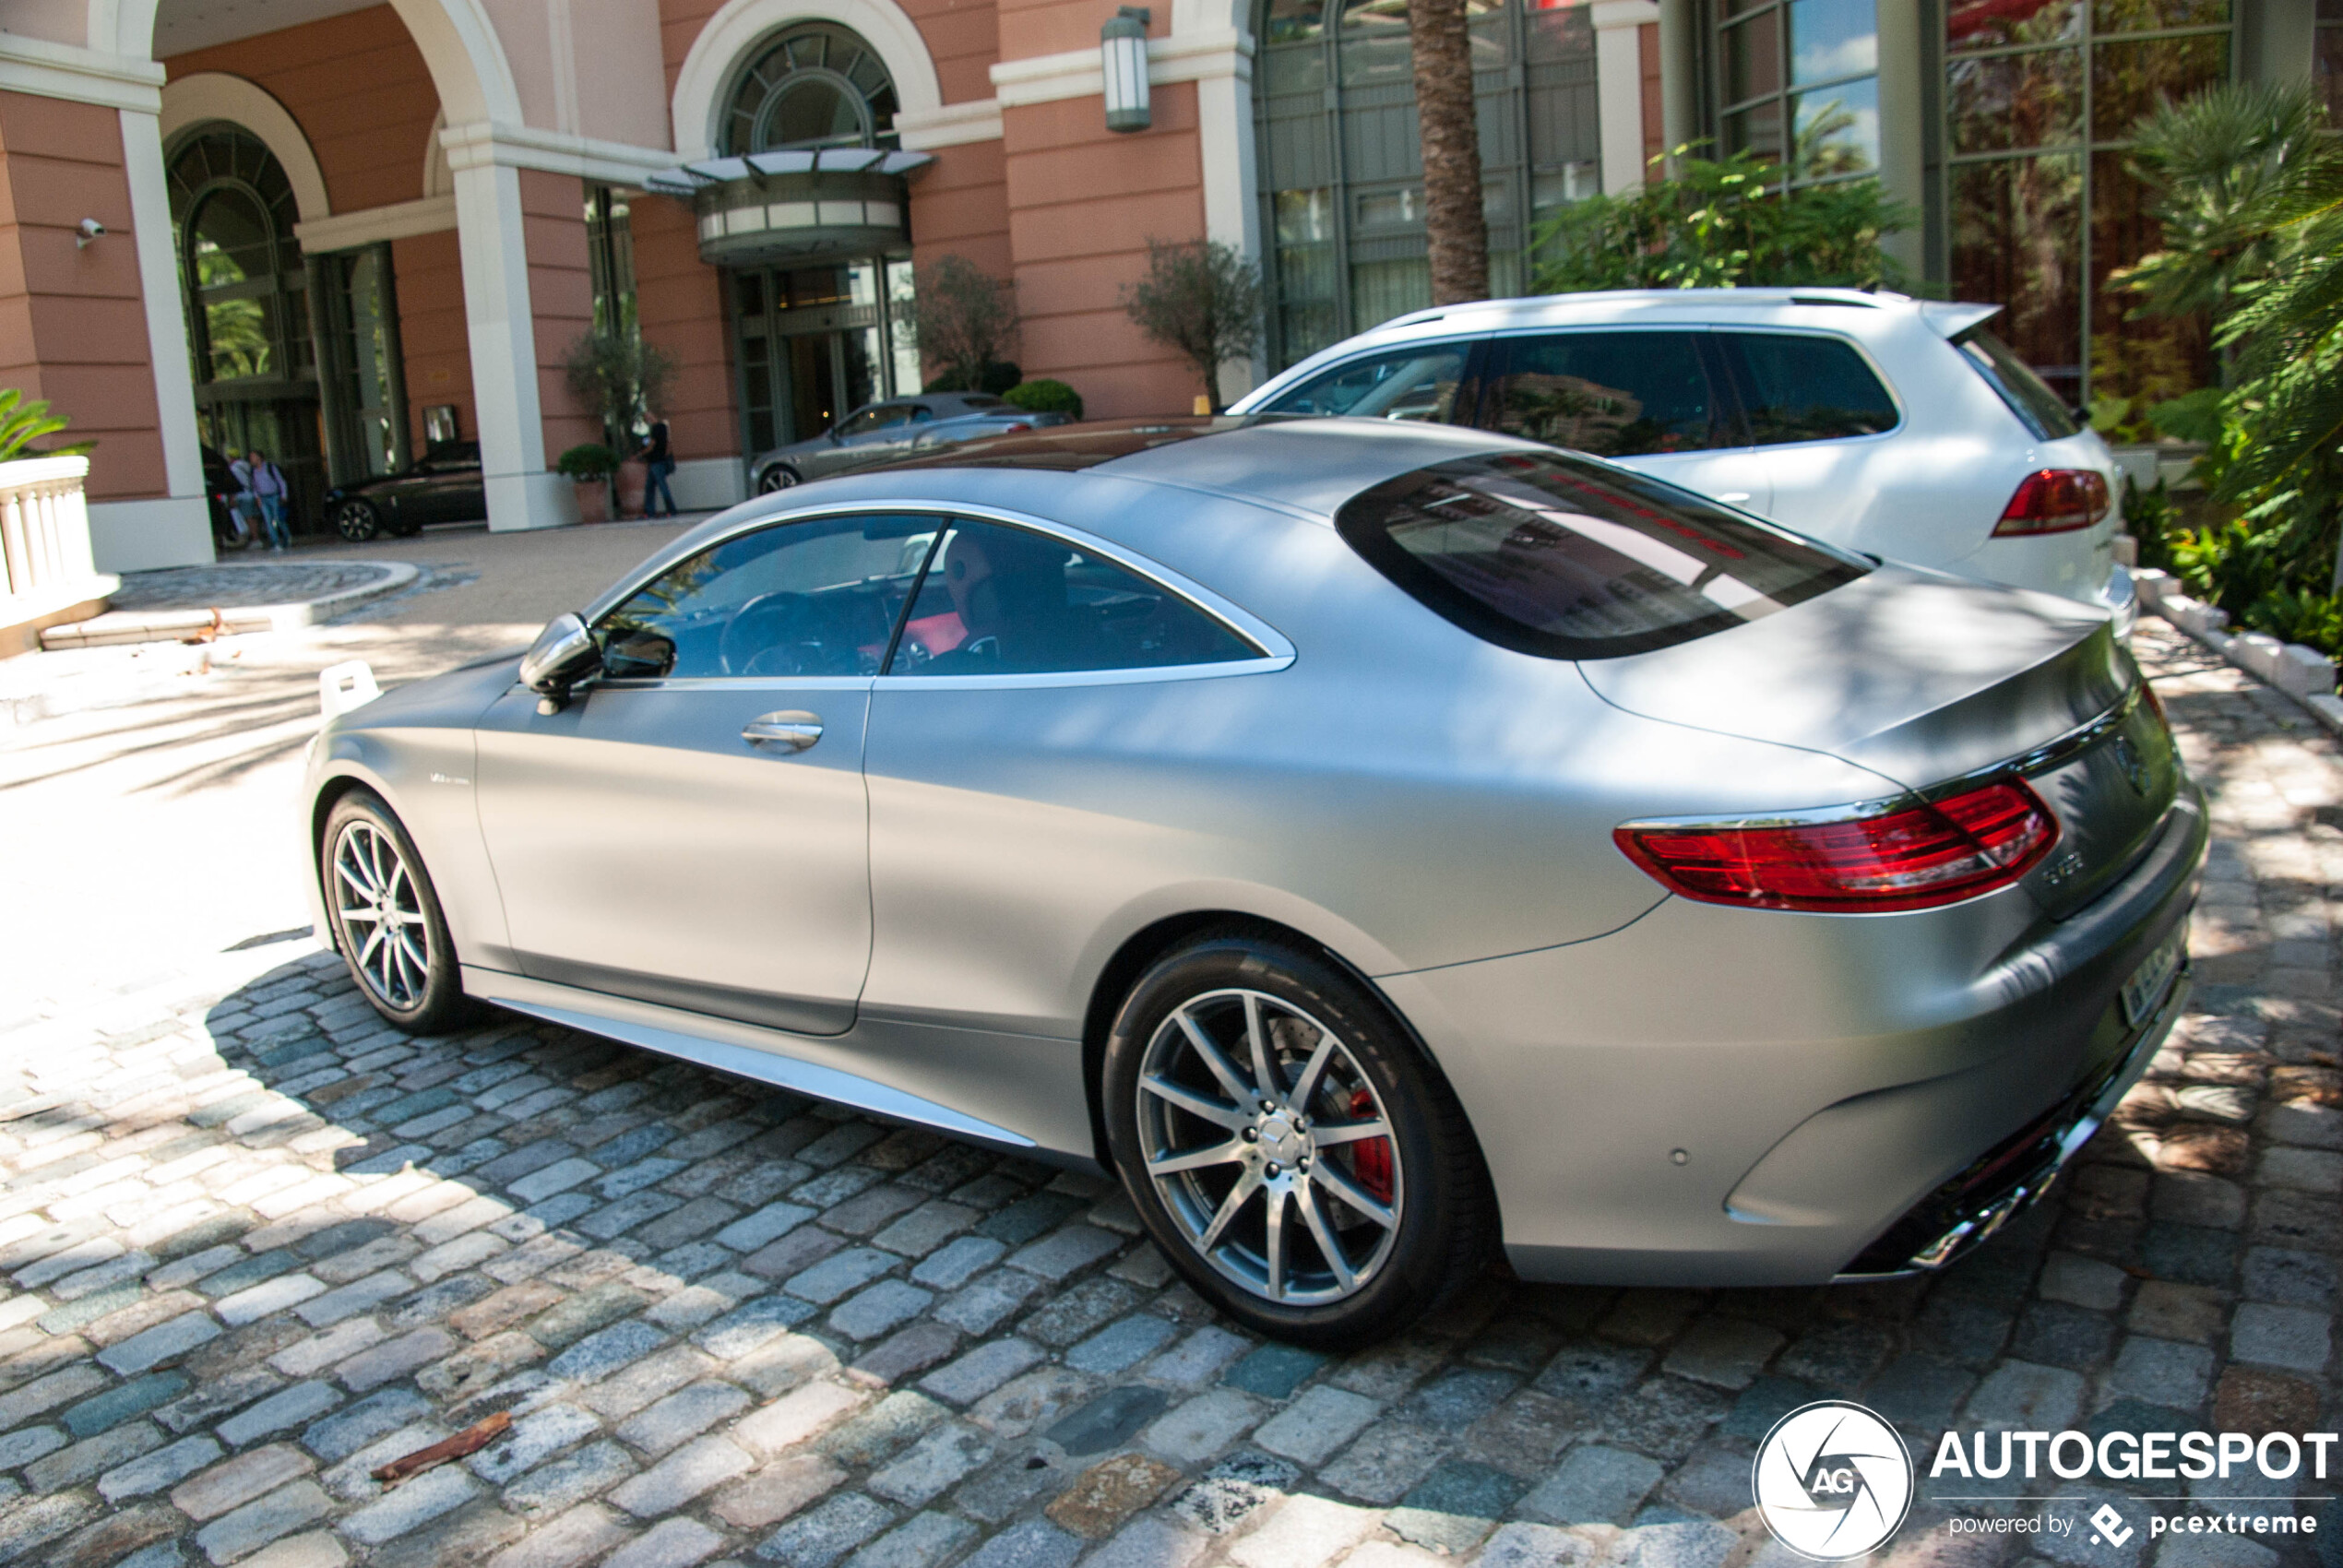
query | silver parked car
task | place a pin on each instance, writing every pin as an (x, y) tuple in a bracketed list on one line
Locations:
[(1373, 843), (877, 433)]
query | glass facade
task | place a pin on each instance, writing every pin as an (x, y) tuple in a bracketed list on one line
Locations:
[(2036, 201), (1342, 170), (1799, 85), (815, 86)]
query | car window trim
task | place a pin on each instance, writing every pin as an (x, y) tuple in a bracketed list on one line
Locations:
[(1277, 649), (1744, 387), (1724, 385)]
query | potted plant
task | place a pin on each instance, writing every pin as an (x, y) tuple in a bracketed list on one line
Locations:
[(591, 466), (619, 378)]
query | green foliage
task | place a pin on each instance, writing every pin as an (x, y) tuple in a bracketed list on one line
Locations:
[(2150, 517), (619, 379), (22, 424), (2299, 615), (1721, 225), (1046, 397), (589, 461), (2194, 416), (966, 322), (1202, 299)]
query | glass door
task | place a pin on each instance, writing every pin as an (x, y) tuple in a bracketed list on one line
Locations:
[(816, 343)]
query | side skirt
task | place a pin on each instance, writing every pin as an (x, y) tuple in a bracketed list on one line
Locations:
[(767, 1055)]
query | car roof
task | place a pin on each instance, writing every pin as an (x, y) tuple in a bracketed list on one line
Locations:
[(1308, 465)]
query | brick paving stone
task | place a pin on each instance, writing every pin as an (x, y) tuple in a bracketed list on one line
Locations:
[(681, 1475), (777, 1491), (570, 1479), (410, 1506), (822, 1536), (683, 1414), (990, 1301), (583, 1533), (1593, 1485), (254, 1526), (880, 1309), (1310, 1429), (2020, 1396), (939, 1460), (2298, 1338), (954, 1265), (293, 1406), (798, 1417), (982, 1370)]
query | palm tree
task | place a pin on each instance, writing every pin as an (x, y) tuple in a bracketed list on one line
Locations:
[(1441, 41)]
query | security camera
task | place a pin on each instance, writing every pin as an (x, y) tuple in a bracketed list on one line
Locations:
[(90, 230)]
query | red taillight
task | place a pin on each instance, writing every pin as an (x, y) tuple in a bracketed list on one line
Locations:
[(2055, 501), (1012, 429), (1913, 859)]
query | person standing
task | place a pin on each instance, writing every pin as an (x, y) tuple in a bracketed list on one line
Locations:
[(267, 483), (658, 463), (243, 502)]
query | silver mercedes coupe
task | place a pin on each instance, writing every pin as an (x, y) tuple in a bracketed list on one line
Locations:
[(1379, 846)]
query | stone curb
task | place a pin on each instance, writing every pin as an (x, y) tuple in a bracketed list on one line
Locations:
[(2303, 673), (169, 626)]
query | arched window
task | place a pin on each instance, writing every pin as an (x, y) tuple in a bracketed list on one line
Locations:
[(815, 86), (233, 211)]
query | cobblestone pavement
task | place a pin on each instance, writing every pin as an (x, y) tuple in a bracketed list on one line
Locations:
[(256, 1245), (259, 581)]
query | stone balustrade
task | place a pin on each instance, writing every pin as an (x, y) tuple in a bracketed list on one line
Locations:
[(51, 577)]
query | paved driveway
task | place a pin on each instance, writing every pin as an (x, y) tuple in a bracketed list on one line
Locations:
[(257, 1246)]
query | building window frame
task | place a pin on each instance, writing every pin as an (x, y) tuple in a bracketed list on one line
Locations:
[(1946, 162), (1333, 89), (1726, 22)]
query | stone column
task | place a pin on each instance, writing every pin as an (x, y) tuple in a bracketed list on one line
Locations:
[(1619, 89)]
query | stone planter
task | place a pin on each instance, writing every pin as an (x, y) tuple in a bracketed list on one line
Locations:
[(45, 547), (632, 476), (593, 501)]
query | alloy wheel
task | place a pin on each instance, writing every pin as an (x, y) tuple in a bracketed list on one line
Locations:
[(356, 522), (1270, 1148), (381, 915), (775, 479)]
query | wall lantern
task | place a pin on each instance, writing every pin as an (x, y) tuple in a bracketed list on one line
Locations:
[(1123, 54)]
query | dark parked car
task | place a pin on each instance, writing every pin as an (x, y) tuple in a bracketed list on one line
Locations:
[(443, 486)]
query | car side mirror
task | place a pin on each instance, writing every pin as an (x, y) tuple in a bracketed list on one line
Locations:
[(563, 654)]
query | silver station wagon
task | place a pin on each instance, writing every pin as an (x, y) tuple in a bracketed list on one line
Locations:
[(1382, 846)]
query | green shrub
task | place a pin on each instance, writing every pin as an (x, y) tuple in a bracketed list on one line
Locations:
[(22, 424), (1045, 397), (2299, 615), (2150, 517), (590, 462)]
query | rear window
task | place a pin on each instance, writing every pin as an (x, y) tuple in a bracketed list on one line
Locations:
[(1564, 559), (2015, 380), (1411, 384), (1799, 387)]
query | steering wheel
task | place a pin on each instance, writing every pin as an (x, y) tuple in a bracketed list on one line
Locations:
[(766, 636)]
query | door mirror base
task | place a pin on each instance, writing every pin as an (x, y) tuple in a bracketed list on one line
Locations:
[(564, 655)]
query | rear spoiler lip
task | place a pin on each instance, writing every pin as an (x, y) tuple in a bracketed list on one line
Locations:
[(1951, 318)]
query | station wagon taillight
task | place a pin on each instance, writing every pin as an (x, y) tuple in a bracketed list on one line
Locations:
[(1914, 858), (2055, 501)]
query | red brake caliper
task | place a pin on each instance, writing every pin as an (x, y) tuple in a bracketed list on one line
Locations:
[(1371, 1162)]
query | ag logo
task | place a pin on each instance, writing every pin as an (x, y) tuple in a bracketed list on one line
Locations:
[(1832, 1480)]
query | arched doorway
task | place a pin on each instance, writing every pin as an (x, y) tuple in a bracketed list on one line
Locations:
[(245, 290), (818, 333)]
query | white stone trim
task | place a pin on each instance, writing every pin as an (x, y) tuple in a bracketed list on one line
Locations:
[(1050, 78), (502, 145), (955, 124), (138, 536), (741, 25), (346, 231), (501, 331), (166, 322), (1618, 89), (709, 484), (44, 70), (439, 179), (215, 95), (466, 56)]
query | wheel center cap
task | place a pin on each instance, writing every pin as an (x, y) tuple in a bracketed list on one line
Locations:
[(1281, 1142)]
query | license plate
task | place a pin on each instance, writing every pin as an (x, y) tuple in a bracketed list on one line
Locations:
[(2145, 990)]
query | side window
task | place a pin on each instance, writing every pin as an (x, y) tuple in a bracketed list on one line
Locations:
[(1413, 384), (999, 600), (1611, 394), (1803, 388), (871, 420), (922, 411), (816, 597)]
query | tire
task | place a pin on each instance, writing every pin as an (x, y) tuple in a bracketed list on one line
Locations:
[(775, 478), (356, 520), (1411, 1214), (365, 852)]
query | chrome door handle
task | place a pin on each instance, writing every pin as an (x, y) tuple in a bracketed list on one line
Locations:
[(792, 730)]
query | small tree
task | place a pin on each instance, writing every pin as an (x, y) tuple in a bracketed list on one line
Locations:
[(1721, 226), (619, 379), (1202, 299), (967, 322)]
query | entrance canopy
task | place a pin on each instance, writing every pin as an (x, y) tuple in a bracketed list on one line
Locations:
[(770, 208)]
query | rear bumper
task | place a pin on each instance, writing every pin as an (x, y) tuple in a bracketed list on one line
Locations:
[(1726, 1097)]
